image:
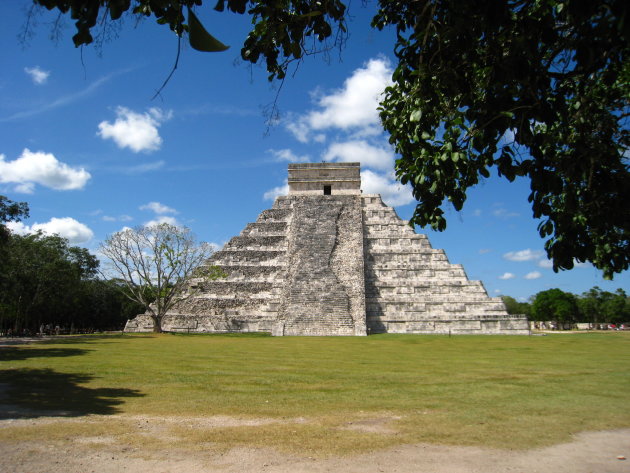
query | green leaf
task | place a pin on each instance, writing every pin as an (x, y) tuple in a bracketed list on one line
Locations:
[(200, 39), (415, 116)]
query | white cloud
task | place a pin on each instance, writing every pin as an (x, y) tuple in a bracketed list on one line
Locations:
[(298, 128), (392, 192), (276, 192), (477, 213), (18, 227), (25, 188), (162, 219), (41, 168), (136, 131), (483, 251), (289, 156), (66, 227), (120, 218), (523, 255), (354, 106), (361, 151), (533, 275), (38, 75), (141, 168), (507, 276), (158, 208), (504, 213), (213, 109)]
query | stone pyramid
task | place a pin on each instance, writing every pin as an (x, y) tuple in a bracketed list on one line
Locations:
[(329, 260)]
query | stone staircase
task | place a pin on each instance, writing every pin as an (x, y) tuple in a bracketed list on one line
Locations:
[(317, 302)]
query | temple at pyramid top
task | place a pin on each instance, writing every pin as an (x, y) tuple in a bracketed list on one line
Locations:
[(325, 179), (327, 259)]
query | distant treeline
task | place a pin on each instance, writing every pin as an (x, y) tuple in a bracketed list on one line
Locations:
[(47, 284), (593, 306)]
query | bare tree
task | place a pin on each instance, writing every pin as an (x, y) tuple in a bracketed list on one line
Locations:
[(156, 263)]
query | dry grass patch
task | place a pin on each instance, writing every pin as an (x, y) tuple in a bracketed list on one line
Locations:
[(319, 438)]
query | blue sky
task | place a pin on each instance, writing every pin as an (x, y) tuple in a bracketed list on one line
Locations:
[(82, 141)]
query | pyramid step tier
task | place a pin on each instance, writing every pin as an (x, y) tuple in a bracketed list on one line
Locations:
[(265, 228)]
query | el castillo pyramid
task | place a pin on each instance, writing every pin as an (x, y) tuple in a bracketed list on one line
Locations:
[(329, 260)]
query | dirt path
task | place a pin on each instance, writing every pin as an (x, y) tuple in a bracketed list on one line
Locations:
[(594, 452)]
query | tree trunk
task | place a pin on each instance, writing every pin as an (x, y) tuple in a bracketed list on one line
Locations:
[(157, 324)]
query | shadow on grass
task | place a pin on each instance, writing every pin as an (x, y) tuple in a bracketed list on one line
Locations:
[(29, 393), (21, 353), (83, 338)]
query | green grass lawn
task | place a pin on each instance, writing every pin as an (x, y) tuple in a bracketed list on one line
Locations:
[(498, 391)]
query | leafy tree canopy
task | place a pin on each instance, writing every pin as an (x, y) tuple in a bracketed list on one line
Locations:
[(514, 307), (40, 275), (10, 212), (555, 304), (281, 33), (532, 88), (598, 305)]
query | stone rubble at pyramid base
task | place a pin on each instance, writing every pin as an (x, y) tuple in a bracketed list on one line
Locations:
[(178, 323)]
